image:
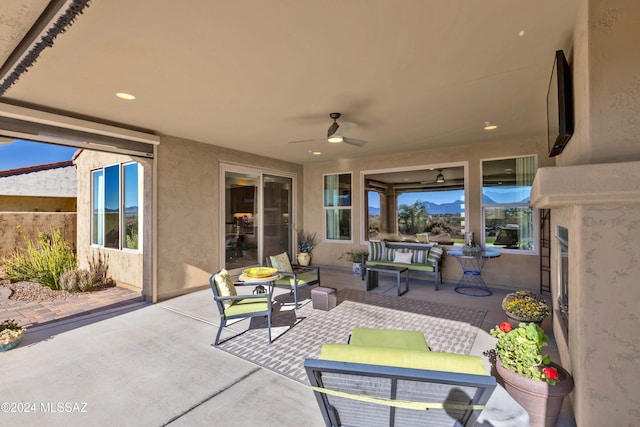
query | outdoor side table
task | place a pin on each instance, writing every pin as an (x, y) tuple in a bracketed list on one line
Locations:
[(371, 276), (471, 282)]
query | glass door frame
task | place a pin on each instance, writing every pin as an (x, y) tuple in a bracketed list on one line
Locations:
[(226, 167)]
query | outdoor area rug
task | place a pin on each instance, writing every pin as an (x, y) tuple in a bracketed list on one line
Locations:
[(446, 328)]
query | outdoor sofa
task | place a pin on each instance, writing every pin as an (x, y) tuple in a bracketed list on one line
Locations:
[(391, 378), (423, 258)]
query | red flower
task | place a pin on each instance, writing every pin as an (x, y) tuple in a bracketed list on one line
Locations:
[(505, 327), (551, 373)]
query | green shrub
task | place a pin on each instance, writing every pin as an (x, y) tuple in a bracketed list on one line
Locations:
[(43, 261)]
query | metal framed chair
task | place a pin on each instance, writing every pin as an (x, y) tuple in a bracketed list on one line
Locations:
[(233, 306), (294, 276)]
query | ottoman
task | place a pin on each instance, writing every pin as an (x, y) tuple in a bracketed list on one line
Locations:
[(323, 298)]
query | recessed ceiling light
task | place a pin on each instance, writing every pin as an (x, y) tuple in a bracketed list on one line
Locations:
[(127, 96), (489, 126), (315, 153), (521, 33)]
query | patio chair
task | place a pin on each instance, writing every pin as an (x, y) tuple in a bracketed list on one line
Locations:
[(385, 377), (233, 306), (294, 276)]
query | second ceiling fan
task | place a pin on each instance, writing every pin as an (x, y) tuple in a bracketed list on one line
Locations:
[(336, 133)]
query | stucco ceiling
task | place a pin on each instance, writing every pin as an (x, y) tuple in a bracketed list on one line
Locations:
[(252, 75)]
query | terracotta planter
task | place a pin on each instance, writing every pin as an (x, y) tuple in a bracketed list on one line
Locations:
[(304, 258), (514, 320), (541, 400)]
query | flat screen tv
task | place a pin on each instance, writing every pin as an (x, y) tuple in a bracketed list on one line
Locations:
[(559, 105)]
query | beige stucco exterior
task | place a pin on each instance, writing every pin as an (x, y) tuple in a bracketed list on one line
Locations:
[(188, 190), (510, 270), (130, 268), (595, 194), (33, 223)]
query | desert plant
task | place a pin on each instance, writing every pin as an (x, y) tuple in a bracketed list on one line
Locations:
[(99, 267), (306, 241), (43, 261), (79, 280)]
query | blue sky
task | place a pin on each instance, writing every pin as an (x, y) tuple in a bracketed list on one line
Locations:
[(439, 197), (22, 154)]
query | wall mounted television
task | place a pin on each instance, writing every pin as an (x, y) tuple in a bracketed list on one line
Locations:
[(560, 118)]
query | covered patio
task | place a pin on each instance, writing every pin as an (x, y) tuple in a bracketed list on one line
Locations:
[(139, 348)]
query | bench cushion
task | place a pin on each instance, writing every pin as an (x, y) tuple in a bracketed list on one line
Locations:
[(389, 338), (416, 359), (412, 266)]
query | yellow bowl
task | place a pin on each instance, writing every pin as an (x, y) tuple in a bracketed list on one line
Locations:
[(258, 272)]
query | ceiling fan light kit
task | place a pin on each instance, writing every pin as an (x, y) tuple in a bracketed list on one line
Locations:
[(336, 133), (440, 177)]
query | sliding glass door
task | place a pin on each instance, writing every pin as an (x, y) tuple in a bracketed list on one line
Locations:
[(257, 213)]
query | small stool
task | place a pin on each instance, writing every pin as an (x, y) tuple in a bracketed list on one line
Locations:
[(323, 298)]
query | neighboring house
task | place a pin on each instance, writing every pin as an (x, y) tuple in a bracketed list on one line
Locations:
[(37, 198), (187, 207)]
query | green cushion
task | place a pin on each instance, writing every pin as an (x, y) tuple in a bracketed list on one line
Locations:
[(435, 254), (412, 266), (377, 251), (303, 279), (281, 262), (247, 306), (415, 359), (389, 338), (225, 287)]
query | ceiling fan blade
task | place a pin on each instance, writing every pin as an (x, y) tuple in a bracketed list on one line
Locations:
[(343, 129), (308, 140), (356, 142)]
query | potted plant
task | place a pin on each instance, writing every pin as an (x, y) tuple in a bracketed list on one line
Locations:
[(356, 258), (306, 242), (525, 306), (10, 334), (529, 376)]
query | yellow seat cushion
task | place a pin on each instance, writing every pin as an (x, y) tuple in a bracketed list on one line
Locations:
[(247, 306), (225, 287), (416, 359), (389, 338)]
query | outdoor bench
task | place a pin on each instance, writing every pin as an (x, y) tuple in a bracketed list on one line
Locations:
[(420, 257)]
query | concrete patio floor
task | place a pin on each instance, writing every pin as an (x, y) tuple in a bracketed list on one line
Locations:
[(151, 365)]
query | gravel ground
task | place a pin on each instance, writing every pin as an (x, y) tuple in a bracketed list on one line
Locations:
[(31, 291)]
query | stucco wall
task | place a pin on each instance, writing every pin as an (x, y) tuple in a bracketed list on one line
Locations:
[(601, 349), (32, 223), (37, 204), (130, 268), (510, 270), (189, 210), (58, 182)]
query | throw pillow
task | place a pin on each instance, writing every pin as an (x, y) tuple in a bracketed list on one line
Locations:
[(403, 257), (435, 254), (281, 262), (377, 251), (225, 286)]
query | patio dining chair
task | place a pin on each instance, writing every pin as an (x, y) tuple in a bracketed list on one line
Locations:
[(234, 306), (294, 276)]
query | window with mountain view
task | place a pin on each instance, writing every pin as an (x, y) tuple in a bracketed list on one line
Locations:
[(414, 205), (508, 217), (115, 206)]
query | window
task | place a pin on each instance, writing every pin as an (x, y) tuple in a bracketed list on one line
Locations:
[(115, 206), (413, 204), (508, 217), (337, 206)]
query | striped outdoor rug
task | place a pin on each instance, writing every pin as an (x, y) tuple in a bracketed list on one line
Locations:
[(298, 336)]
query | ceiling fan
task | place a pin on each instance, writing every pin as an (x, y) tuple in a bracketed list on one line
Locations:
[(336, 133)]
